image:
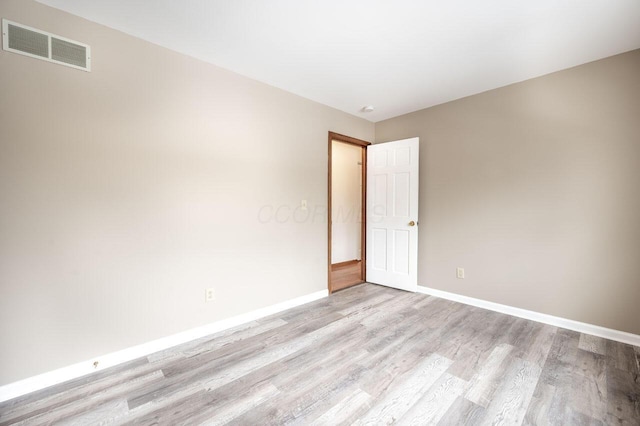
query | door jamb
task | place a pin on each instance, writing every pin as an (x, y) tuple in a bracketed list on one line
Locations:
[(363, 231)]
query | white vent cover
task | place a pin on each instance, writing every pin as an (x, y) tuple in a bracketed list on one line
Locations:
[(18, 38)]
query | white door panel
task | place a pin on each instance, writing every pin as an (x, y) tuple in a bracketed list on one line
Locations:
[(392, 214)]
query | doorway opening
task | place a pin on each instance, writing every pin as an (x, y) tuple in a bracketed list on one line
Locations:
[(347, 211)]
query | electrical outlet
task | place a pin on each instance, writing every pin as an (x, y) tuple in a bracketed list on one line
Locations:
[(209, 295), (460, 273)]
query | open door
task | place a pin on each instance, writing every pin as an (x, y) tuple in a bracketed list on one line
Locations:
[(392, 214), (346, 206)]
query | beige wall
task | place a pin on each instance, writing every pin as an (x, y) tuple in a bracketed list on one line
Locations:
[(346, 202), (534, 189), (127, 191)]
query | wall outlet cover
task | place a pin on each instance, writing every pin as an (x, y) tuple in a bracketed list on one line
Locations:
[(209, 295)]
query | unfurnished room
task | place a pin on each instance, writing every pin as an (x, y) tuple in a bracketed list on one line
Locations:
[(301, 212)]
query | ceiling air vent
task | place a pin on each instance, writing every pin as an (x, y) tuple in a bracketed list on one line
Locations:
[(18, 38)]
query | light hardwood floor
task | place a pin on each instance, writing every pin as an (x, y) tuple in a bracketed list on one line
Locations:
[(365, 355)]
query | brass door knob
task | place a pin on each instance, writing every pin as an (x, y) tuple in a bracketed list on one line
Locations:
[(412, 223)]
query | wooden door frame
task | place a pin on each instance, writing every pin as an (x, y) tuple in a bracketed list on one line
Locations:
[(363, 231)]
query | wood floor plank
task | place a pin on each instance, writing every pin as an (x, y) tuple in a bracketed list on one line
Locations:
[(346, 411), (393, 309), (559, 368), (591, 400), (485, 382), (230, 412), (304, 399), (424, 302), (466, 361), (322, 391), (337, 301), (472, 352), (303, 365), (512, 398), (102, 415), (436, 402), (462, 412), (196, 370), (188, 400), (179, 350), (277, 336), (540, 406), (96, 401), (593, 344), (229, 338), (399, 399), (366, 305), (386, 366), (200, 409), (519, 335), (201, 399), (53, 392), (82, 391), (540, 345), (304, 374), (623, 395), (623, 357), (561, 413)]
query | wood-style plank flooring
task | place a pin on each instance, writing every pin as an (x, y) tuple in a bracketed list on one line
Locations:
[(367, 355)]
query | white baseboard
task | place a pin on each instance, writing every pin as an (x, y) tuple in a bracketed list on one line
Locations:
[(60, 375), (595, 330)]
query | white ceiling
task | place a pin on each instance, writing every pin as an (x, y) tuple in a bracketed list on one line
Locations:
[(397, 55)]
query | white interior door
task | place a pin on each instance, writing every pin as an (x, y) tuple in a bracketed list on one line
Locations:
[(392, 214)]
